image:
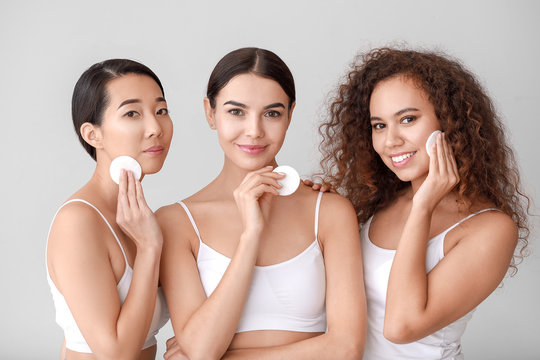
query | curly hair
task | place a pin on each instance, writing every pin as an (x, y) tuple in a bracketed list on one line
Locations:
[(486, 164)]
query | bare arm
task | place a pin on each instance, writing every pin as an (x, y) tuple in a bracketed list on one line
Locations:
[(419, 304), (79, 262), (204, 327), (345, 296)]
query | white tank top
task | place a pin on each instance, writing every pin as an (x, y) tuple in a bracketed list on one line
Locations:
[(442, 344), (64, 318), (286, 296)]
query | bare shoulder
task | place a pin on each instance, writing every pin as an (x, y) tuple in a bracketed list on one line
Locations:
[(337, 218), (491, 229), (76, 233), (175, 224), (336, 206), (75, 222)]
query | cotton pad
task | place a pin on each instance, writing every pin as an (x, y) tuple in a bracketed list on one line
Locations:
[(127, 163), (431, 140), (290, 182)]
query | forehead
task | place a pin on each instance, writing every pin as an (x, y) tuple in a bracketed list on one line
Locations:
[(132, 86), (397, 93), (252, 89)]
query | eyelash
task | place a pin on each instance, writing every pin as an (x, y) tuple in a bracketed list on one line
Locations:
[(274, 113), (236, 112), (412, 118), (164, 110)]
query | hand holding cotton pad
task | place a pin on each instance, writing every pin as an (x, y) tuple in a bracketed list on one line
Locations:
[(290, 182), (127, 163), (432, 139)]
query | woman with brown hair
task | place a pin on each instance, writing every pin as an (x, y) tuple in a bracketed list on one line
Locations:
[(249, 274), (438, 231)]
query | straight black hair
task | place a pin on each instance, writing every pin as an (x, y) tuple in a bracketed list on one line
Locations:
[(90, 96), (250, 60)]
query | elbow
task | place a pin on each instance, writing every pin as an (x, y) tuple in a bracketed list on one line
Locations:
[(350, 347), (196, 350), (398, 333)]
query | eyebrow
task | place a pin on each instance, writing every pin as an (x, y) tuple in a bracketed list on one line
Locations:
[(135, 101), (400, 112), (244, 106)]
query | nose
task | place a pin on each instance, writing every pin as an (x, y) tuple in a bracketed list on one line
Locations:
[(254, 127), (153, 126), (393, 136)]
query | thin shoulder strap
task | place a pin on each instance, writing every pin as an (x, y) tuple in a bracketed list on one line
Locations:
[(191, 219), (104, 219), (317, 207), (470, 216)]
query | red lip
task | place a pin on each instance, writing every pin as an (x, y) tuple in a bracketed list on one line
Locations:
[(154, 150), (252, 149)]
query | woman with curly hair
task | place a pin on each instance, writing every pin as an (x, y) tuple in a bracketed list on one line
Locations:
[(438, 232)]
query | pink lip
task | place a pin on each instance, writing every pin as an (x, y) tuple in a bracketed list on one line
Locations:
[(252, 149), (154, 150), (404, 161)]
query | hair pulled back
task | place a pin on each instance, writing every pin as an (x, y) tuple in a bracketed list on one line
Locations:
[(90, 96), (250, 60), (486, 164)]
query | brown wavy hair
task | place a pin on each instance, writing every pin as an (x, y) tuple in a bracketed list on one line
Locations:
[(486, 164)]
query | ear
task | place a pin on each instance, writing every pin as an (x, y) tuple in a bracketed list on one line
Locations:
[(92, 135), (209, 112), (290, 113)]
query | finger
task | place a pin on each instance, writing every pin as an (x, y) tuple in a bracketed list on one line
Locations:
[(266, 169), (433, 159), (171, 342), (441, 154), (140, 195), (132, 199), (122, 203), (307, 182), (268, 179)]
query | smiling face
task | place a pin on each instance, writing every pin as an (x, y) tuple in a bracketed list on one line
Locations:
[(135, 122), (251, 117), (402, 118)]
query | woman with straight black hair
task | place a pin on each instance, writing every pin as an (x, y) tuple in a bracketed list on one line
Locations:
[(248, 273), (104, 244)]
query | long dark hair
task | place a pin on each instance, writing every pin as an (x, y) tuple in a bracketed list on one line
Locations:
[(90, 96), (486, 163), (250, 60)]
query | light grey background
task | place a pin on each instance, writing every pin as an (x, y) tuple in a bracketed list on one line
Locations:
[(46, 45)]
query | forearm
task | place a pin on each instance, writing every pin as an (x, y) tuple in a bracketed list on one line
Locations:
[(222, 310), (407, 286), (326, 346)]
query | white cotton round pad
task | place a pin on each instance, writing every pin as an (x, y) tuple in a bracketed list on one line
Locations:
[(127, 163), (290, 182), (431, 140)]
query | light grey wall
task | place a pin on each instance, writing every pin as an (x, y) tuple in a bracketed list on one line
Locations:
[(45, 46)]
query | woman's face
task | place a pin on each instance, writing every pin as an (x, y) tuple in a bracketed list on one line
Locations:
[(402, 118), (136, 122), (251, 116)]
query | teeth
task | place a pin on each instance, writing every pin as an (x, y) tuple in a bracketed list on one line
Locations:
[(401, 157)]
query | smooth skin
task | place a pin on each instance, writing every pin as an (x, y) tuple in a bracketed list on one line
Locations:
[(240, 215), (83, 257), (477, 252)]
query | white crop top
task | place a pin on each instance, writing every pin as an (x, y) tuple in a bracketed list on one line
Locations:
[(442, 344), (286, 296), (64, 318)]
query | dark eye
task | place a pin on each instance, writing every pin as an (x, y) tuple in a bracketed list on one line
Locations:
[(408, 119), (131, 114), (163, 111), (378, 126), (273, 113), (236, 112)]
